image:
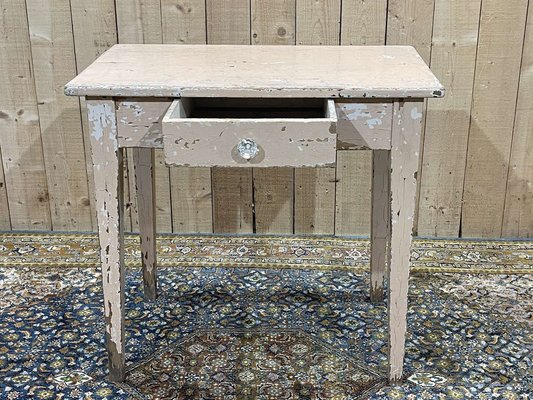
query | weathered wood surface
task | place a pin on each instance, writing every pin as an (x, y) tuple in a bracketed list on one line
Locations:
[(94, 30), (407, 129), (59, 116), (239, 71), (144, 166), (206, 142), (363, 125), (20, 138), (451, 46), (107, 164), (518, 212), (501, 36), (139, 122), (184, 22), (453, 59), (380, 222)]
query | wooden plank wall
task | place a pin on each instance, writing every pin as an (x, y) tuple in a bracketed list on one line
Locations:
[(476, 165)]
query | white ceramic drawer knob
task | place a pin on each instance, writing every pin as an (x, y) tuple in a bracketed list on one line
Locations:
[(247, 149)]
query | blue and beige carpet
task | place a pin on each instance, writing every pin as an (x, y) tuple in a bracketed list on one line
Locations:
[(266, 318)]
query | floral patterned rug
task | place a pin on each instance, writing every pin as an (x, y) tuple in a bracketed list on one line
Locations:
[(311, 252), (246, 332)]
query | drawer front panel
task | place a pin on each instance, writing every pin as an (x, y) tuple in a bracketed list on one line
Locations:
[(277, 142)]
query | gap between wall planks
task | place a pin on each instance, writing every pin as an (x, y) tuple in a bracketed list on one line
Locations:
[(452, 156)]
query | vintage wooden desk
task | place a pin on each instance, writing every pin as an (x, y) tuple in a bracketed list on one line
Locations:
[(255, 106)]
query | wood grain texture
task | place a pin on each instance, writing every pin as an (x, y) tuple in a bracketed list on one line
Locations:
[(183, 21), (139, 21), (273, 199), (59, 116), (228, 21), (267, 72), (314, 199), (407, 129), (518, 212), (107, 160), (191, 200), (273, 21), (95, 31), (232, 200), (236, 29), (144, 168), (318, 22), (453, 60), (20, 140), (363, 22), (501, 35), (411, 22), (352, 203)]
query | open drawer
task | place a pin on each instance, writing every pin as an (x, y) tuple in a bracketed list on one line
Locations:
[(232, 132)]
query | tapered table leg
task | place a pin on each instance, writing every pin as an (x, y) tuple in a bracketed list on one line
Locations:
[(405, 141), (143, 164), (380, 225), (108, 179)]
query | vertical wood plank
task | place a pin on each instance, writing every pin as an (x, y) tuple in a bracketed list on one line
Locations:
[(232, 201), (183, 21), (59, 116), (20, 139), (191, 197), (406, 132), (94, 29), (518, 212), (501, 37), (274, 200), (410, 22), (453, 60), (314, 201), (317, 23), (191, 200), (144, 171), (273, 22), (139, 21), (228, 21), (363, 22), (353, 193), (106, 159)]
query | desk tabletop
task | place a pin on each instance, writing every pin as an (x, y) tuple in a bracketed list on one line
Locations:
[(148, 70)]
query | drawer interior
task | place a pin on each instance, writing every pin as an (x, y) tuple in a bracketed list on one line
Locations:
[(250, 108)]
